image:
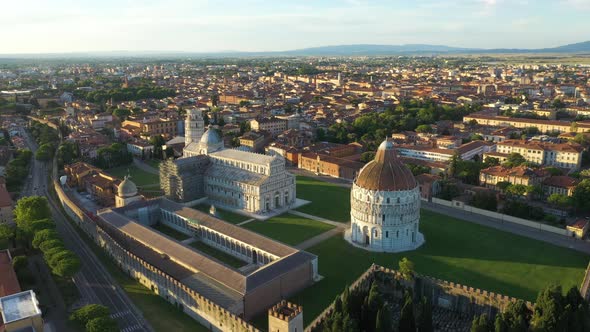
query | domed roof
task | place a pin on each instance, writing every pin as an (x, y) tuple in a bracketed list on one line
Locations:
[(127, 188), (386, 172), (211, 137)]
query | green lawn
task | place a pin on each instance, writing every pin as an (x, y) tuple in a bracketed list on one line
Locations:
[(457, 251), (220, 255), (328, 200), (138, 176), (225, 215), (288, 228), (155, 163), (170, 232)]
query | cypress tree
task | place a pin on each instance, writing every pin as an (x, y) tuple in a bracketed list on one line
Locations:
[(406, 321)]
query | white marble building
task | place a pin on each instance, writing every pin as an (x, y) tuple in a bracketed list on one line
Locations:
[(255, 183), (385, 205)]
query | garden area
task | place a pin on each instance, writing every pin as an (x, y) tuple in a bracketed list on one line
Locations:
[(457, 251), (230, 217), (218, 254), (288, 228), (171, 232), (138, 176), (328, 200)]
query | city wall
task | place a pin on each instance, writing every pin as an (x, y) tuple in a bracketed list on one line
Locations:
[(585, 288), (502, 217), (198, 307), (448, 295)]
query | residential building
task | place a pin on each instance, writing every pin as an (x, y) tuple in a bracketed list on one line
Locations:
[(564, 155), (274, 126)]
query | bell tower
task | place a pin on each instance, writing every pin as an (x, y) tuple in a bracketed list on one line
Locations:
[(194, 126)]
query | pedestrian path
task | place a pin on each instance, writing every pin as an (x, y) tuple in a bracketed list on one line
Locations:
[(145, 167), (319, 238), (320, 219), (245, 222)]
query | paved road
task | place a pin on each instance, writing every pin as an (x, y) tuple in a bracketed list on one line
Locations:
[(94, 282), (556, 239)]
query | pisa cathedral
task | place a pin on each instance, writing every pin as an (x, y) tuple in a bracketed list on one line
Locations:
[(231, 178), (385, 205)]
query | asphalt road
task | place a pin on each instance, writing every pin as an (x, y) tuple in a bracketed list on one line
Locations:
[(94, 282)]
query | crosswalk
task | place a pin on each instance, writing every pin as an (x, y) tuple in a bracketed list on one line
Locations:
[(120, 314), (131, 328)]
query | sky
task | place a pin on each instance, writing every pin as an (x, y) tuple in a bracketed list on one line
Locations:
[(60, 26)]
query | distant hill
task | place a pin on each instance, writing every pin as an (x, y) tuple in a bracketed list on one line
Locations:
[(336, 50), (368, 49)]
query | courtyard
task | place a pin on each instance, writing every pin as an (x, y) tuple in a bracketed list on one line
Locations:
[(138, 176)]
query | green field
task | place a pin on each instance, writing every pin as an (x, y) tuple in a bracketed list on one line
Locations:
[(170, 232), (225, 215), (220, 255), (328, 200), (457, 251), (289, 228), (138, 176), (155, 163)]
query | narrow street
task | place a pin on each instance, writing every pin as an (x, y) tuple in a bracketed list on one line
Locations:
[(94, 282)]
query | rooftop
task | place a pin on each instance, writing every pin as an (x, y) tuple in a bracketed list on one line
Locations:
[(19, 306)]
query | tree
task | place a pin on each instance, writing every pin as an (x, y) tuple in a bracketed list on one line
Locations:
[(29, 209), (367, 156), (406, 321), (486, 201), (548, 310), (424, 129), (515, 318), (514, 159), (39, 225), (102, 324), (19, 263), (50, 244), (581, 196), (383, 321), (503, 185), (88, 313), (516, 190), (6, 232), (481, 324), (45, 152), (560, 200), (66, 266), (424, 316), (406, 268), (121, 113), (157, 141), (44, 235)]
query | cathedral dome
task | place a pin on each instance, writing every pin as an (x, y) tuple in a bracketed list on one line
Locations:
[(127, 188), (211, 137), (386, 172)]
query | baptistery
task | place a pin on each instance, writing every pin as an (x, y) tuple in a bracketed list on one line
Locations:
[(385, 205)]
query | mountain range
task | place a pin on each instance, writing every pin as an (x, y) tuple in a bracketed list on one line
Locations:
[(337, 50)]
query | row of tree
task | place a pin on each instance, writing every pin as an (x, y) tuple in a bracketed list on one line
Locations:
[(113, 156), (125, 94), (17, 169), (35, 226), (553, 312), (370, 129), (367, 310), (94, 318)]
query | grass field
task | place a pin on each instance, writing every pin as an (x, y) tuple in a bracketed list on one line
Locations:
[(226, 215), (220, 255), (170, 232), (327, 199), (288, 228), (457, 251), (138, 176), (155, 163)]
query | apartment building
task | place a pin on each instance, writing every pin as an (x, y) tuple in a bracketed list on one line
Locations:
[(491, 176), (273, 125), (542, 125), (563, 155), (469, 151)]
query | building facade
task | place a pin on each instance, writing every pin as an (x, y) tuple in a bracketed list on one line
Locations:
[(252, 182), (385, 205)]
